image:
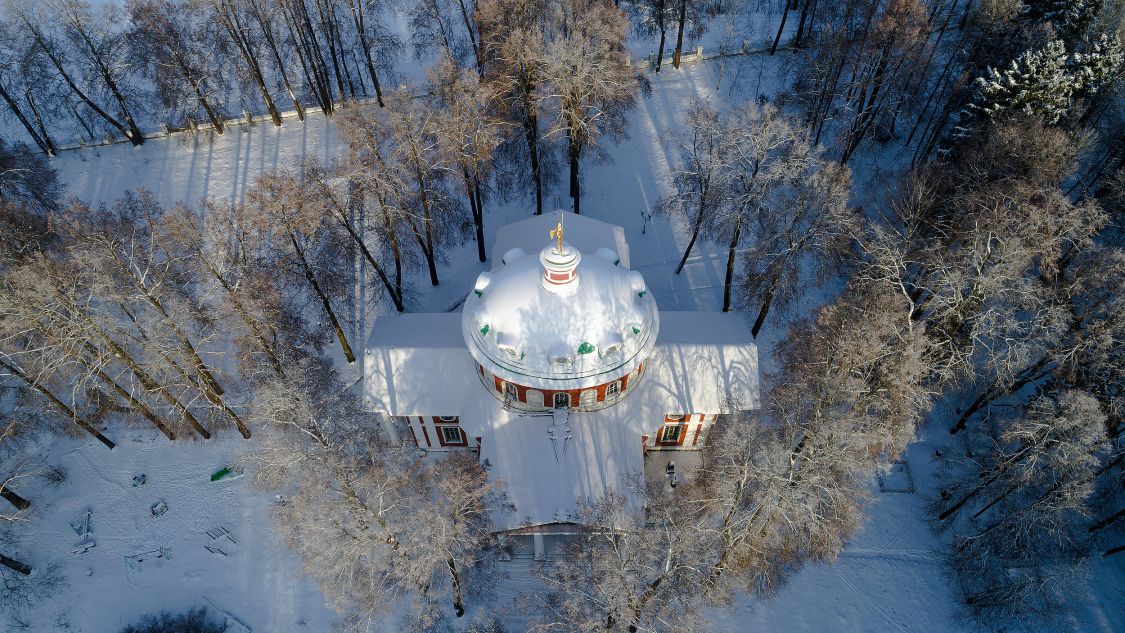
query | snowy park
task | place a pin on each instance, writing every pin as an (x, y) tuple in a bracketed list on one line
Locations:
[(833, 343)]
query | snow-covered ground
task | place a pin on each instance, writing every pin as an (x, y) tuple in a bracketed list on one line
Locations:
[(890, 578)]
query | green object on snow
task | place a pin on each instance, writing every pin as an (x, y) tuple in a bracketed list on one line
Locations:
[(585, 348), (219, 474)]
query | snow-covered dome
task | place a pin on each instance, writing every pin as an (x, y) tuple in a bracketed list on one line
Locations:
[(561, 320)]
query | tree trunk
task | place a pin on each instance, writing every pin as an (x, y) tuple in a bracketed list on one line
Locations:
[(14, 107), (62, 406), (1112, 551), (51, 148), (141, 407), (781, 28), (1106, 522), (271, 42), (472, 38), (361, 29), (458, 603), (134, 134), (312, 77), (427, 223), (531, 132), (480, 204), (766, 300), (575, 183), (478, 216), (801, 24), (731, 256), (660, 23), (680, 35), (229, 17), (694, 231), (323, 300), (15, 565), (13, 498), (394, 293)]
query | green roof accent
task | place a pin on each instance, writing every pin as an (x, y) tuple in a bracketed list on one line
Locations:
[(484, 329), (642, 293), (636, 330), (585, 348), (478, 293)]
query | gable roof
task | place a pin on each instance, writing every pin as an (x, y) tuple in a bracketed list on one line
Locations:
[(583, 232)]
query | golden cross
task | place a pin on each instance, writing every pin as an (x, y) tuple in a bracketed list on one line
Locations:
[(558, 234)]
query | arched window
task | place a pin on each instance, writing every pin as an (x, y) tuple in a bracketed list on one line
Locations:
[(448, 418), (562, 399), (510, 390), (613, 390)]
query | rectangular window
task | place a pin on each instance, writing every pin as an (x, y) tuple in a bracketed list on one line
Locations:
[(451, 436), (670, 435)]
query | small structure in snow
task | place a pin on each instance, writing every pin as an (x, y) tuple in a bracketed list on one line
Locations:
[(137, 562), (139, 480), (81, 527), (158, 508)]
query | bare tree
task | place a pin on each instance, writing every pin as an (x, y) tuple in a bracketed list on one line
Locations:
[(371, 33), (34, 22), (433, 218), (765, 165), (98, 40), (468, 133), (447, 26), (375, 523), (653, 17), (800, 244), (849, 389), (233, 21), (19, 88), (179, 51), (588, 81), (1019, 559), (122, 247), (628, 570), (514, 44), (289, 217), (698, 181)]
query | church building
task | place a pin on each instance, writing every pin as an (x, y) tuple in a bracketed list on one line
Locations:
[(561, 371)]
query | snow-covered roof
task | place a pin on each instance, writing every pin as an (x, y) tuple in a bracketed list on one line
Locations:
[(703, 362), (550, 464), (524, 331), (585, 233), (418, 364)]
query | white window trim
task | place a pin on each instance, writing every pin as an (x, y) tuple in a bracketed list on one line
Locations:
[(460, 439)]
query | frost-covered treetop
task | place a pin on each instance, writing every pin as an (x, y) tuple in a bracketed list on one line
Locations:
[(561, 320)]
